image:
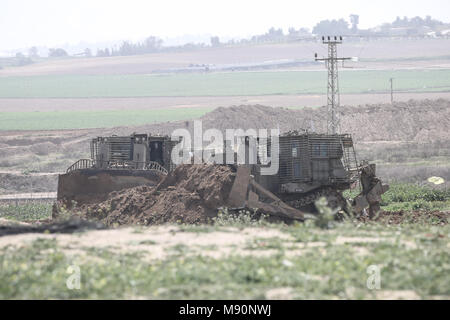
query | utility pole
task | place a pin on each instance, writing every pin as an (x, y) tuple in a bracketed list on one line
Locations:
[(333, 99), (392, 90)]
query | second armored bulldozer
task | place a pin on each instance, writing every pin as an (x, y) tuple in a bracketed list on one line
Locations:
[(315, 165), (116, 162)]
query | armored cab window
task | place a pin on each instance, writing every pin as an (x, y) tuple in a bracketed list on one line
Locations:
[(297, 170), (316, 149), (283, 169), (295, 149), (320, 150), (323, 150)]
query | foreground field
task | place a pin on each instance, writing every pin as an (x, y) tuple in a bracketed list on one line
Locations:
[(220, 84), (230, 260), (402, 254)]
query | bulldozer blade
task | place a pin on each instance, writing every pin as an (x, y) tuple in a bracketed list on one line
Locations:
[(276, 206), (93, 185), (373, 188), (246, 192), (238, 193)]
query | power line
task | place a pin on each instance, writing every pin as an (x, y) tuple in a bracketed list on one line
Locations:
[(333, 98)]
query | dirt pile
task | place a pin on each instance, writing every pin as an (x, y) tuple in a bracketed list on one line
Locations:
[(189, 194), (420, 121)]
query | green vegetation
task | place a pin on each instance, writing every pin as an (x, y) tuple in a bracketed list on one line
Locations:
[(93, 119), (219, 84), (408, 196), (411, 258), (26, 211), (414, 197)]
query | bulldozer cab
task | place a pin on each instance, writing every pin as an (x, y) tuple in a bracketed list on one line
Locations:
[(308, 161), (137, 151), (116, 162)]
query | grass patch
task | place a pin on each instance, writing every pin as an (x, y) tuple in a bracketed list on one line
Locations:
[(93, 119), (219, 84), (410, 257), (26, 212)]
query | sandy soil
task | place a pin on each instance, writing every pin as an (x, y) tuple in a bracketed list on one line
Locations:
[(157, 241)]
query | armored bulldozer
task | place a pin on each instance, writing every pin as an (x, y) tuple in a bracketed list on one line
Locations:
[(116, 162), (310, 166)]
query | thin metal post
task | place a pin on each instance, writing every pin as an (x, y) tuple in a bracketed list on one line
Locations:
[(392, 90)]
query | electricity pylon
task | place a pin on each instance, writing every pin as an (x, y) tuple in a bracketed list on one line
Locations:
[(333, 99)]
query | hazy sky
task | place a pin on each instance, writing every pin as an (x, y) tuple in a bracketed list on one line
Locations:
[(24, 23)]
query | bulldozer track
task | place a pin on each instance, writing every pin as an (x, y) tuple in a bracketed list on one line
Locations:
[(334, 198)]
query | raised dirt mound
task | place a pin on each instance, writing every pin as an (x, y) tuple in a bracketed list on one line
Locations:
[(189, 194), (421, 121)]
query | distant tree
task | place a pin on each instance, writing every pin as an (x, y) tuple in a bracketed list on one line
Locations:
[(103, 53), (215, 41), (21, 60), (415, 22), (152, 44), (331, 27), (58, 52), (87, 52), (126, 49), (33, 52), (274, 34)]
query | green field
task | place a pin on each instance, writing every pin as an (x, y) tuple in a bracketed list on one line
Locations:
[(219, 84), (312, 263), (296, 261), (51, 120)]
